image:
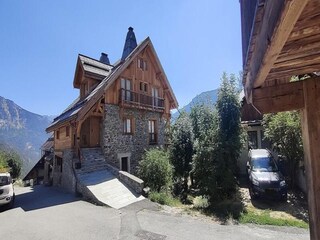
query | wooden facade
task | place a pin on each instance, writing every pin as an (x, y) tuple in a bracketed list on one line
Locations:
[(281, 64), (136, 81)]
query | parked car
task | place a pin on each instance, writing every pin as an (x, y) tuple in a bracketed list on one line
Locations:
[(265, 179), (6, 190)]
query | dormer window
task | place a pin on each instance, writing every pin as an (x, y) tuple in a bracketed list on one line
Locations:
[(142, 64)]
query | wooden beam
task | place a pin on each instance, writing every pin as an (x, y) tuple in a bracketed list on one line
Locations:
[(279, 98), (311, 138), (277, 24), (290, 15), (298, 70)]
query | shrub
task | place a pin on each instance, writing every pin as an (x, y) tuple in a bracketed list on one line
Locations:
[(156, 170), (200, 202), (163, 198)]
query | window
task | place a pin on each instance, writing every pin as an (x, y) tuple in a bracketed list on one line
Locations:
[(58, 164), (127, 126), (58, 134), (143, 87), (152, 132), (142, 64), (126, 89), (252, 139), (155, 97), (67, 131)]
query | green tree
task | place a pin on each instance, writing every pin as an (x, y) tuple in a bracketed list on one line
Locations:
[(283, 130), (10, 161), (217, 151), (202, 120), (181, 150), (156, 170)]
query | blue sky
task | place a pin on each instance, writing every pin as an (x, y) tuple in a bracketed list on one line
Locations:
[(40, 40)]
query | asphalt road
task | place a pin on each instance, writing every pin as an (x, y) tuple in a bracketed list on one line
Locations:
[(48, 213)]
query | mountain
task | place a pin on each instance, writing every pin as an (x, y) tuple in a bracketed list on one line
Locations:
[(208, 98), (23, 131)]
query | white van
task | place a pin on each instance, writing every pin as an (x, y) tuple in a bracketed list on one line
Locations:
[(6, 190)]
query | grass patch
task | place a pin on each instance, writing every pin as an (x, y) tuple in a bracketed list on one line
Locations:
[(164, 198), (264, 218)]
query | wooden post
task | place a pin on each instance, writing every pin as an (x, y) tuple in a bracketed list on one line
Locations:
[(311, 141)]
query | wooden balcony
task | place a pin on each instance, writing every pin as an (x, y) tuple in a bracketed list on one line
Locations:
[(140, 100)]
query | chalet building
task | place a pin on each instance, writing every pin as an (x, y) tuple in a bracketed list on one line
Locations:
[(122, 109), (41, 173)]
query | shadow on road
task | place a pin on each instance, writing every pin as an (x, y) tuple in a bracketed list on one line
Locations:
[(39, 197)]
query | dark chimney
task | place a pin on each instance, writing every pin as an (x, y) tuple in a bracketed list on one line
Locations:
[(104, 58), (130, 44)]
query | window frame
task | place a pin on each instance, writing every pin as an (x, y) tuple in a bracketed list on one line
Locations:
[(143, 87), (152, 131), (142, 64), (125, 121), (126, 89), (57, 134), (67, 131)]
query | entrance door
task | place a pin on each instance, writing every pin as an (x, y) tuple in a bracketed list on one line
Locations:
[(124, 164), (94, 131)]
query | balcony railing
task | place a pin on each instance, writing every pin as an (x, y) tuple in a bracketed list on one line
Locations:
[(140, 99)]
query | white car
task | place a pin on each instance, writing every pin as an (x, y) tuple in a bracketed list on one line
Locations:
[(6, 190)]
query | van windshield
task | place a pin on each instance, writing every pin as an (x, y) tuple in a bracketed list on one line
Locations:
[(4, 180), (264, 164)]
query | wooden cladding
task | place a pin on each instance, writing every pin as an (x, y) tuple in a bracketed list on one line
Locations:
[(279, 98), (140, 99)]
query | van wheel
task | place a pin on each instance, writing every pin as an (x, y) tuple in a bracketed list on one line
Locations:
[(11, 203)]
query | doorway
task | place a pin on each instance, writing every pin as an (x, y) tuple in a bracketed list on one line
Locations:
[(124, 166)]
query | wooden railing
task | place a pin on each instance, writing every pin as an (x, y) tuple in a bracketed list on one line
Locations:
[(140, 99)]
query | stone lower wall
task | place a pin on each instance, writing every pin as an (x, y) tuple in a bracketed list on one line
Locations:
[(65, 179), (132, 181), (115, 144)]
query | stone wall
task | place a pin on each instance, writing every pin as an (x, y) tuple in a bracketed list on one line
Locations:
[(65, 179), (116, 144), (131, 181)]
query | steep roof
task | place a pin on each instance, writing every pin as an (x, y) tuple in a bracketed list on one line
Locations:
[(93, 67), (79, 108)]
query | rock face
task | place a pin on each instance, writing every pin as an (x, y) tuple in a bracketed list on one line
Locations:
[(117, 145), (23, 131), (208, 98)]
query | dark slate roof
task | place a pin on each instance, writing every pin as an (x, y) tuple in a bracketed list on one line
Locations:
[(94, 66), (130, 44), (69, 112), (48, 144)]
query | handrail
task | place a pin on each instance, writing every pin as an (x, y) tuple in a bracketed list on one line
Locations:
[(140, 99)]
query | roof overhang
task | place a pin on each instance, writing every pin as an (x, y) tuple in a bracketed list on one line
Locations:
[(284, 41)]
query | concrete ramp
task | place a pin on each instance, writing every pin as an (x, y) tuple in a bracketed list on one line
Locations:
[(107, 189)]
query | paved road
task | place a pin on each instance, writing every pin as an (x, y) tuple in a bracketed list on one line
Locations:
[(48, 213)]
